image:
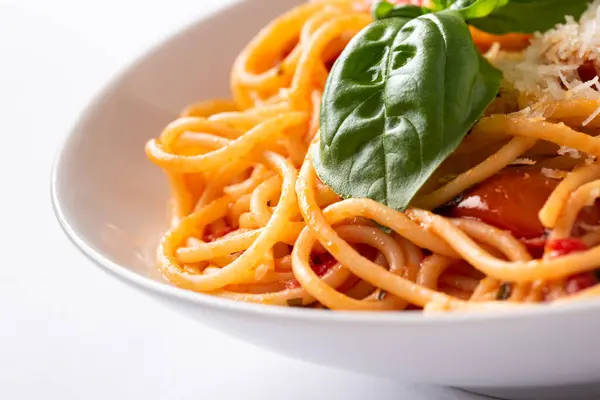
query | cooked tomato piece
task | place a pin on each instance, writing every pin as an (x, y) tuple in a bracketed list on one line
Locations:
[(562, 247), (512, 199), (535, 246), (509, 200), (587, 71), (579, 282)]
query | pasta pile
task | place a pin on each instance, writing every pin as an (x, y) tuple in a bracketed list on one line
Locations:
[(251, 220)]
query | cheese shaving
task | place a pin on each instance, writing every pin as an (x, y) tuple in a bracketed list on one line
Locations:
[(548, 68), (553, 173), (523, 161), (573, 153), (591, 117)]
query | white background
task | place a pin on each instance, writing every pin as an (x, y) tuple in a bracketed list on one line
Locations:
[(68, 331)]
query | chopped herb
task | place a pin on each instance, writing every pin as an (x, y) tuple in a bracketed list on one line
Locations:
[(384, 228), (381, 295), (297, 302), (504, 291)]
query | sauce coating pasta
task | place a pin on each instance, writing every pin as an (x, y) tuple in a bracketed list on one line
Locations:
[(512, 222)]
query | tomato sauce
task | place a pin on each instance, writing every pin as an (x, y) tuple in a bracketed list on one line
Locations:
[(320, 264)]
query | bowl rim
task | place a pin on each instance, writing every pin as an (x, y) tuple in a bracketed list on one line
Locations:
[(259, 310)]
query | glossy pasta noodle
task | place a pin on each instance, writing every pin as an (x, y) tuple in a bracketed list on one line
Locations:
[(251, 220)]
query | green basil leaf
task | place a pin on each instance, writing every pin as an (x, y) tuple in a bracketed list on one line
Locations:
[(384, 9), (399, 99), (529, 16), (381, 9), (471, 9), (439, 5)]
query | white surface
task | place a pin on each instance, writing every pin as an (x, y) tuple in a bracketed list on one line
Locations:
[(68, 331)]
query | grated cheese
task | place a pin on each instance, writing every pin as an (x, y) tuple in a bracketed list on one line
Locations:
[(474, 202), (553, 173), (573, 153), (548, 68), (523, 161)]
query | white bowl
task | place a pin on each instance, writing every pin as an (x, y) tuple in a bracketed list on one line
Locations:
[(111, 201)]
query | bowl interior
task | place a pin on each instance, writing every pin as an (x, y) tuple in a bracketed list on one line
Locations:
[(111, 195), (112, 202)]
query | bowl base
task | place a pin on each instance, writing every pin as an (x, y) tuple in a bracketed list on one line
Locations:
[(583, 391)]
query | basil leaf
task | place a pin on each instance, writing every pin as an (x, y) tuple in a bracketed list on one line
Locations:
[(439, 5), (529, 16), (383, 9), (471, 9), (399, 99)]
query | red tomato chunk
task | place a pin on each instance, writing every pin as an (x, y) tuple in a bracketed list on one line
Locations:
[(512, 199), (562, 247)]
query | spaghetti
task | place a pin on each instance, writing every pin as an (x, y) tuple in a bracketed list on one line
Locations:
[(251, 221)]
